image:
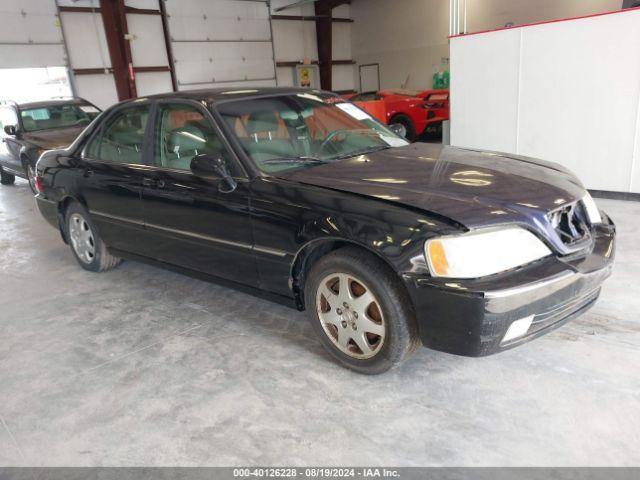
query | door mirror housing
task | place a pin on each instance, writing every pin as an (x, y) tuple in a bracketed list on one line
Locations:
[(213, 166), (399, 130), (11, 130)]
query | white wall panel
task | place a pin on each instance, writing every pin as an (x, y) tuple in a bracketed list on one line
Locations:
[(306, 9), (150, 83), (86, 40), (147, 47), (579, 84), (148, 4), (294, 40), (341, 41), (30, 35), (218, 20), (98, 89), (343, 11), (568, 92), (485, 81), (220, 41), (342, 78), (213, 62), (285, 76), (255, 84)]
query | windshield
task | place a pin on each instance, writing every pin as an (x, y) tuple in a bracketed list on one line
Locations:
[(302, 130), (57, 116)]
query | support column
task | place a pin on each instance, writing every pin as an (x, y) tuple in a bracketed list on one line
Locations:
[(115, 26), (324, 35)]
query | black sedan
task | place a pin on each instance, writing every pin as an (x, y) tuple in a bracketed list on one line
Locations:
[(28, 129), (306, 199)]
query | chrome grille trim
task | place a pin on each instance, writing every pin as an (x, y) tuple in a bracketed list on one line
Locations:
[(571, 224)]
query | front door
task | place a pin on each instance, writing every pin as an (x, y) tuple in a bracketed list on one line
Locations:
[(110, 177), (196, 222), (9, 145)]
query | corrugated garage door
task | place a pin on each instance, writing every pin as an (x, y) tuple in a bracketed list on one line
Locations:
[(30, 35), (221, 43), (88, 52)]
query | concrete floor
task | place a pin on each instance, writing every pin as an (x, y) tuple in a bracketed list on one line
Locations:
[(140, 366)]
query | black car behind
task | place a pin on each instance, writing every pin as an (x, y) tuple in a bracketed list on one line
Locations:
[(28, 129)]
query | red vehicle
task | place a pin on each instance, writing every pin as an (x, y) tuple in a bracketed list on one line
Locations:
[(437, 103), (418, 112)]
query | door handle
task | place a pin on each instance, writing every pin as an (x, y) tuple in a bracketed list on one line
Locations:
[(88, 172)]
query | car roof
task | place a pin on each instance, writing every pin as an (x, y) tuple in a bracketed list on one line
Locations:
[(213, 95), (49, 103)]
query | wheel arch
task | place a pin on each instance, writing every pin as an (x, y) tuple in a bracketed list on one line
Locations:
[(401, 114), (309, 254), (63, 204)]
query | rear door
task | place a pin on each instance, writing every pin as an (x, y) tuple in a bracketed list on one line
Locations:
[(110, 175), (196, 222)]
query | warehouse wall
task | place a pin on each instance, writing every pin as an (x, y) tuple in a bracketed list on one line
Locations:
[(567, 92), (408, 38)]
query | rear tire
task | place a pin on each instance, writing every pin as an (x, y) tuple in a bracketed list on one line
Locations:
[(86, 245), (407, 123), (360, 311), (6, 178)]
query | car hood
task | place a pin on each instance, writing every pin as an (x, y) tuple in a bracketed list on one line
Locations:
[(474, 189), (53, 138)]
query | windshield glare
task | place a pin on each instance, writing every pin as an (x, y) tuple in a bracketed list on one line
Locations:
[(299, 131), (57, 116)]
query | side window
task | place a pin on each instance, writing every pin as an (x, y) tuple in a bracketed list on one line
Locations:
[(182, 132), (122, 139), (7, 117)]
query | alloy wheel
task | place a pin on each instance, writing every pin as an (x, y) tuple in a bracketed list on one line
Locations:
[(351, 315), (82, 239)]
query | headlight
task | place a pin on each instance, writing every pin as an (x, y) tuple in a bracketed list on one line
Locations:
[(483, 253), (592, 209)]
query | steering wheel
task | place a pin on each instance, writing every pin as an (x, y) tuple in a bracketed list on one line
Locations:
[(332, 136)]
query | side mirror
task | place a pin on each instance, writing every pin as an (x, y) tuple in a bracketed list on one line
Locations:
[(10, 130), (399, 129), (212, 166)]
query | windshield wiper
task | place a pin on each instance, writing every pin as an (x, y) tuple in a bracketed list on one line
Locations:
[(363, 151), (287, 160)]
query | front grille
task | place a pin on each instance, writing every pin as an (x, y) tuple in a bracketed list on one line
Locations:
[(571, 224)]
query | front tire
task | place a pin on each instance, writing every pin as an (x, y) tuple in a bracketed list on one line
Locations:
[(86, 245), (6, 178), (360, 311)]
